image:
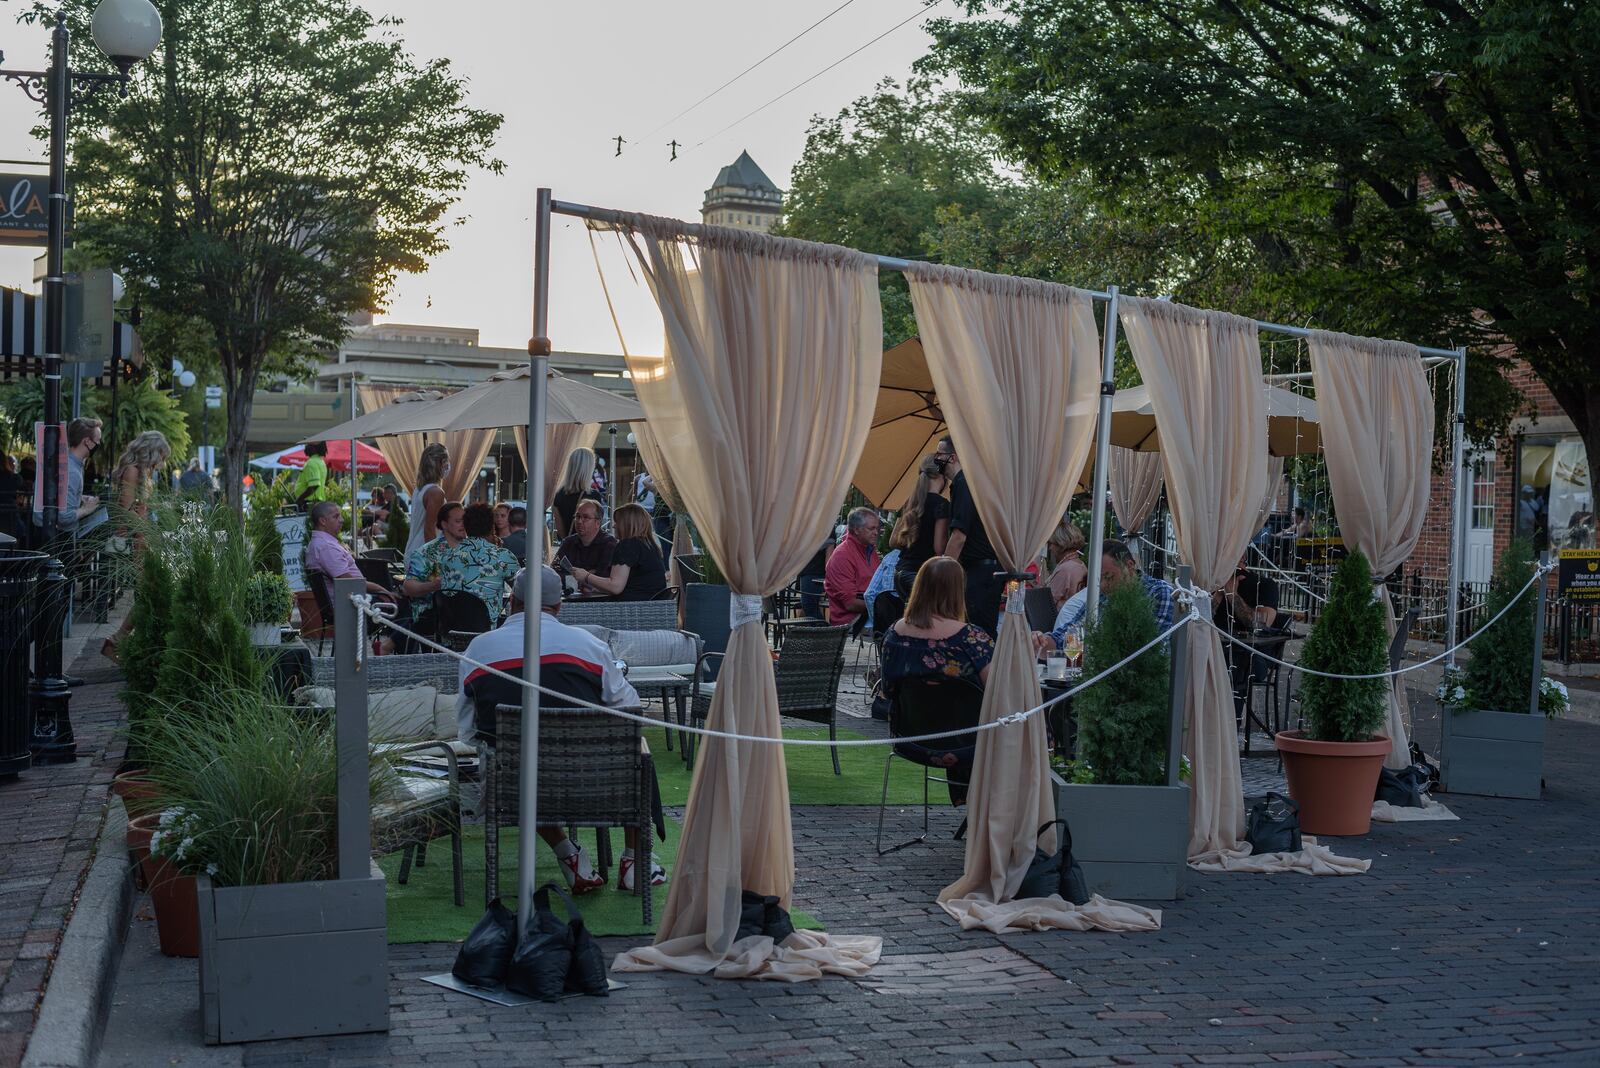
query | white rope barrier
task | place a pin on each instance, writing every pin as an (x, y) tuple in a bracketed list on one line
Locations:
[(367, 610), (1309, 592), (1538, 573)]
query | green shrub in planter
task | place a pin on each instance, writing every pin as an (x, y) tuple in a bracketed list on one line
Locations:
[(141, 652), (266, 599), (1499, 676), (209, 651), (1122, 722), (1349, 639)]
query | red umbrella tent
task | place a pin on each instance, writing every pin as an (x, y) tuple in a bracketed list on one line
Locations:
[(368, 459)]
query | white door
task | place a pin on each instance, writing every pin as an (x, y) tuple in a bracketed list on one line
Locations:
[(1478, 561)]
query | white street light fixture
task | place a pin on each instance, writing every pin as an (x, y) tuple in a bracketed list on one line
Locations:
[(186, 379), (126, 30)]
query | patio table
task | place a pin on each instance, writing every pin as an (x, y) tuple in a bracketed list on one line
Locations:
[(673, 684)]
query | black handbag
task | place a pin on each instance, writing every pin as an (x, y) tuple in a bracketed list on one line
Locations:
[(556, 957), (763, 914), (486, 954), (1273, 825), (1406, 788), (1420, 759), (1055, 873)]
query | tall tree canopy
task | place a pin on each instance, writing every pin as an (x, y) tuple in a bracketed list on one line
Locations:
[(275, 165), (1410, 168)]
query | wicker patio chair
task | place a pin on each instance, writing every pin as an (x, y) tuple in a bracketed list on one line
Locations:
[(438, 670), (593, 772), (622, 615), (417, 809), (807, 675)]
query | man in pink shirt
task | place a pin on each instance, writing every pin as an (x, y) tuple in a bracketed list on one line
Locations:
[(850, 568), (324, 552)]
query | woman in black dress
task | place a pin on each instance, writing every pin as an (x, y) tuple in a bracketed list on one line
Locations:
[(923, 527)]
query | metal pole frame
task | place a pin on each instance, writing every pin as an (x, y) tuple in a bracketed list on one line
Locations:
[(611, 472), (1459, 506), (1102, 457), (355, 476), (350, 733), (538, 367), (55, 291), (1538, 635), (1179, 681)]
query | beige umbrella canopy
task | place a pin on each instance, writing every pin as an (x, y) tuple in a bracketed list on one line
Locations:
[(377, 421), (1292, 426), (906, 424), (501, 400)]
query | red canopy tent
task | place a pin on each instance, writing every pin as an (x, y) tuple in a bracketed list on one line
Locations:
[(368, 459)]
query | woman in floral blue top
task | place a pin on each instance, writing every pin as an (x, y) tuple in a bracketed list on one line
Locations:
[(934, 638)]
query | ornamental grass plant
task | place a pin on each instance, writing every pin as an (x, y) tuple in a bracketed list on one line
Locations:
[(1122, 721), (1349, 639)]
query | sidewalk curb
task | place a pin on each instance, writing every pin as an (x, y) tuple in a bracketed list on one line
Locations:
[(78, 1000)]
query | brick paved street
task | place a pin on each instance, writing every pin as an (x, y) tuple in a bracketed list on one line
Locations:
[(1476, 941)]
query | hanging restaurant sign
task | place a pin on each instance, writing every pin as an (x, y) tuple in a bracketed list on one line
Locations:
[(24, 215)]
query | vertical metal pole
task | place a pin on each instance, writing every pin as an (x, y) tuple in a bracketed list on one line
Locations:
[(538, 364), (611, 471), (1102, 457), (355, 478), (1458, 518), (55, 294), (350, 733), (1538, 635), (1180, 679)]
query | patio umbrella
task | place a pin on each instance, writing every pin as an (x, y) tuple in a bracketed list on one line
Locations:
[(368, 459), (1292, 426)]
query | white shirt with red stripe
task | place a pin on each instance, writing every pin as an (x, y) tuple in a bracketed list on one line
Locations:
[(559, 644)]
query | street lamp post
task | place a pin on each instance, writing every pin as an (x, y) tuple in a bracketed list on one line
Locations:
[(126, 31)]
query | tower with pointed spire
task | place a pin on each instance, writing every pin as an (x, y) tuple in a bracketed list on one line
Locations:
[(742, 197)]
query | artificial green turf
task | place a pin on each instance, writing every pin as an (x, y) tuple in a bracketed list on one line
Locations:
[(424, 911), (811, 777)]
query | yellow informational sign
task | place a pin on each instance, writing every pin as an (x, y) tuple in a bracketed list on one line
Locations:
[(1319, 552), (1578, 575)]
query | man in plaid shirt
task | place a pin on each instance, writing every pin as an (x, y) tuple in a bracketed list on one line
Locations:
[(1117, 565)]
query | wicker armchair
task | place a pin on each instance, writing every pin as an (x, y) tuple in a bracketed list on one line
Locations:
[(807, 675), (622, 615), (438, 670), (593, 772)]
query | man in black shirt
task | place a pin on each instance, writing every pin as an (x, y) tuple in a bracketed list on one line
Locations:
[(1247, 604), (587, 546), (969, 544)]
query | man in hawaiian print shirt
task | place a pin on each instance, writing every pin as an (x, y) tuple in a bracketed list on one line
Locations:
[(461, 558)]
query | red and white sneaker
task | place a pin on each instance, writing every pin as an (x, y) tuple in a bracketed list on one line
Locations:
[(658, 874), (580, 876)]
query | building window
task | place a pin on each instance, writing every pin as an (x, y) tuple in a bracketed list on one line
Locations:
[(1555, 494), (1482, 515)]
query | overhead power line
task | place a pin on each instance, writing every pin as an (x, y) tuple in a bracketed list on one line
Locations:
[(747, 70), (752, 114)]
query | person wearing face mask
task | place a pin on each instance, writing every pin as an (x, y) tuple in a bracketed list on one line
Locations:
[(83, 438), (432, 467)]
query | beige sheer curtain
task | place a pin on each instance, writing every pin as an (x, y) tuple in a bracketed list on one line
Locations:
[(559, 441), (772, 355), (1377, 437), (1015, 363), (1269, 496), (402, 451), (1203, 370), (1135, 480), (656, 464)]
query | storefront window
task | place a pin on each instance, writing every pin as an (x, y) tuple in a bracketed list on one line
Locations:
[(1483, 493), (1555, 498)]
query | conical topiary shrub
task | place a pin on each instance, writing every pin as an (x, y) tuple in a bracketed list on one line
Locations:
[(209, 650), (1349, 639), (1122, 722), (141, 652), (1499, 676)]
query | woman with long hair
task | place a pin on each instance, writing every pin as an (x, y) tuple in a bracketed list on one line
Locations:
[(132, 480), (923, 527), (577, 482), (637, 573), (432, 467), (1068, 572)]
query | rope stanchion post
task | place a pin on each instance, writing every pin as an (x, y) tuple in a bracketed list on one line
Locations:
[(1538, 633), (350, 730), (1180, 679), (1102, 459)]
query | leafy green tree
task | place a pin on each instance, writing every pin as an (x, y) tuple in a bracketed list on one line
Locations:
[(1122, 722), (276, 164), (1499, 676), (141, 407), (1416, 170), (1349, 639)]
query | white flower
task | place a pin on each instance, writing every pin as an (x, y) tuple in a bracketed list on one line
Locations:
[(211, 869), (1460, 694)]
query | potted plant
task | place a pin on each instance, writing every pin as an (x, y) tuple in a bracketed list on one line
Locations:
[(266, 607), (1492, 744), (1130, 830), (1333, 765), (289, 945)]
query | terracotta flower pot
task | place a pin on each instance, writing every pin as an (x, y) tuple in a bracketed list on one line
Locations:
[(140, 828), (139, 794), (177, 907), (1334, 782)]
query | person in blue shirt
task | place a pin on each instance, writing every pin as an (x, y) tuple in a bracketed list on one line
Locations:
[(882, 581), (1117, 565)]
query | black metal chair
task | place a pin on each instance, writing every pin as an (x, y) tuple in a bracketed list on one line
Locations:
[(807, 677), (387, 556), (375, 571), (458, 617), (929, 704), (1040, 606), (322, 629), (593, 772)]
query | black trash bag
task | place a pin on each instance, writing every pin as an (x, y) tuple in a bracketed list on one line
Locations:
[(1273, 825), (763, 914), (486, 954), (544, 956), (1055, 873), (1406, 788)]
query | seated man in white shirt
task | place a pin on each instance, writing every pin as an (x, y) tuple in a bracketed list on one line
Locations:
[(572, 661)]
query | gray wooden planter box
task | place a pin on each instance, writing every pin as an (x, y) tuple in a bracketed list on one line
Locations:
[(1499, 754), (294, 960), (1132, 841)]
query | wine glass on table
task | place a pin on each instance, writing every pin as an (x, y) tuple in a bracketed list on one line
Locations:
[(1072, 645)]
